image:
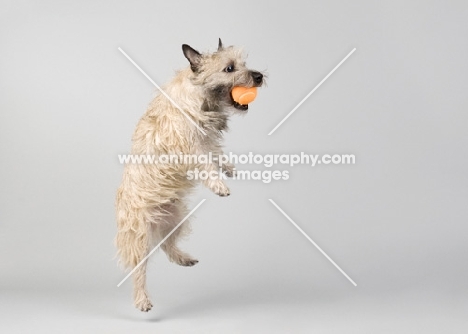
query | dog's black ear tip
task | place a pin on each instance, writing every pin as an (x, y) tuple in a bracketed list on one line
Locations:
[(220, 44), (192, 55), (188, 49)]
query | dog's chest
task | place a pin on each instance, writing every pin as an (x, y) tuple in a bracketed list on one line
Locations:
[(214, 117)]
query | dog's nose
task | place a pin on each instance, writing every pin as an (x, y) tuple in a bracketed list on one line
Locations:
[(258, 77)]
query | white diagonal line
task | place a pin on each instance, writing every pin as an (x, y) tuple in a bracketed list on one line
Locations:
[(313, 90), (313, 243), (162, 241), (162, 91)]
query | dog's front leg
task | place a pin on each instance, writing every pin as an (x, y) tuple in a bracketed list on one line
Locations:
[(214, 180), (222, 160), (229, 169)]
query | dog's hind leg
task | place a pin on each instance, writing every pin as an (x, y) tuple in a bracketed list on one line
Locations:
[(175, 213), (140, 295), (133, 246)]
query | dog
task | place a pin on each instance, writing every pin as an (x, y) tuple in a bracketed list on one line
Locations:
[(151, 198)]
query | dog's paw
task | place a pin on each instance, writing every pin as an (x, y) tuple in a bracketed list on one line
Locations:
[(222, 190), (224, 193), (187, 262), (144, 305)]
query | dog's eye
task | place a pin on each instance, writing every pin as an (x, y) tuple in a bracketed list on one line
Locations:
[(230, 68)]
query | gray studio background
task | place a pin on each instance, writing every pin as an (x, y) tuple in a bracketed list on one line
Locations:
[(395, 221)]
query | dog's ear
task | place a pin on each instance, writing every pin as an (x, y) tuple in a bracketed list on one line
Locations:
[(220, 44), (193, 56)]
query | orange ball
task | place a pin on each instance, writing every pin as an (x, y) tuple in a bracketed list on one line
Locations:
[(244, 95)]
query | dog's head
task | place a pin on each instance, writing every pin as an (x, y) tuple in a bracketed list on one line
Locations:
[(218, 72)]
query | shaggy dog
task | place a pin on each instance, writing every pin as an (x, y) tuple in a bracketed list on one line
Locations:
[(150, 200)]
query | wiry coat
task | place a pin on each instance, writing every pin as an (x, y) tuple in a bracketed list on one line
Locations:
[(150, 200)]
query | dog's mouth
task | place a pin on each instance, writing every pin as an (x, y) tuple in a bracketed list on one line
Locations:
[(239, 106)]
